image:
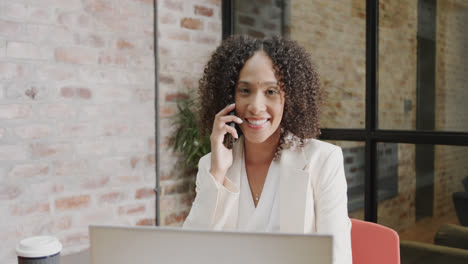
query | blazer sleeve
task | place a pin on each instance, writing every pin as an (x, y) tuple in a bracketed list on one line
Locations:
[(332, 207), (213, 201)]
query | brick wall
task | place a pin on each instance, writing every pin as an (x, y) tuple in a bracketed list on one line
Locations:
[(189, 31), (76, 118), (77, 113), (334, 34), (261, 18), (451, 97)]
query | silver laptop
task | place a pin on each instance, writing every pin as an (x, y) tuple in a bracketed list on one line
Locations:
[(128, 245)]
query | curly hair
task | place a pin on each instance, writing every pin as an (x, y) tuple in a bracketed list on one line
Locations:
[(295, 73)]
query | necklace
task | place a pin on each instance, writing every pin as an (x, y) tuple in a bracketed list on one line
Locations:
[(256, 190)]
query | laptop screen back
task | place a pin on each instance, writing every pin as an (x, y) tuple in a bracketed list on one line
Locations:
[(126, 245)]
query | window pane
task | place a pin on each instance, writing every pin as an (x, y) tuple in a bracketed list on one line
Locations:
[(260, 18), (353, 158), (423, 54), (428, 178), (333, 32)]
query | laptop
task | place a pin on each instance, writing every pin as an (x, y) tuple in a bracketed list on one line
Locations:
[(144, 245)]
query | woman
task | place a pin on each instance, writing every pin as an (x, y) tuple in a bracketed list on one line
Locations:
[(277, 177)]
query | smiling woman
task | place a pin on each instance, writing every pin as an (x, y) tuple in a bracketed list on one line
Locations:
[(277, 177)]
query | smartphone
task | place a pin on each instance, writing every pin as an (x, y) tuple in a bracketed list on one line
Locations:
[(228, 138)]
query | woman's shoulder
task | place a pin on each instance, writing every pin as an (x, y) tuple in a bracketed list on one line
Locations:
[(315, 146)]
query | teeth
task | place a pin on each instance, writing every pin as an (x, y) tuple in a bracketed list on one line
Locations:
[(257, 122)]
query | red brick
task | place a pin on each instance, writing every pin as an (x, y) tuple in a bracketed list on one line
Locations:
[(75, 55), (191, 23), (246, 20), (70, 167), (112, 197), (58, 110), (144, 193), (133, 209), (62, 223), (78, 238), (168, 110), (175, 218), (175, 35), (167, 79), (84, 93), (70, 203), (98, 6), (114, 129), (168, 202), (15, 111), (29, 171), (56, 73), (89, 39), (150, 160), (40, 150), (214, 27), (134, 161), (174, 5), (190, 82), (187, 199), (9, 192), (9, 28), (203, 11), (24, 209), (146, 222), (152, 144), (76, 92), (124, 44), (167, 19), (208, 40), (94, 182), (145, 95), (108, 57), (171, 97), (256, 34), (178, 187), (146, 2), (129, 179)]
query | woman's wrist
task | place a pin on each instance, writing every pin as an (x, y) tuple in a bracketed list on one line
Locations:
[(218, 175)]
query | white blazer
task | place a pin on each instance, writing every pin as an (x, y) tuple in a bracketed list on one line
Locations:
[(313, 195)]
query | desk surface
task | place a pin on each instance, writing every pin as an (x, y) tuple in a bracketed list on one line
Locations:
[(76, 258)]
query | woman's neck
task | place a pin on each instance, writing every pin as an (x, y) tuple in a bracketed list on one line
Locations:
[(261, 153)]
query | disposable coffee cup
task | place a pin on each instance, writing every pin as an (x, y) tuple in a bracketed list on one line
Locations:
[(39, 250)]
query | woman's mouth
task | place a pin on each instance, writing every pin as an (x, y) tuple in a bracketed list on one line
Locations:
[(257, 123)]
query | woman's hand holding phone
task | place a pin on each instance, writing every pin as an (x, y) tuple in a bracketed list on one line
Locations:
[(221, 156)]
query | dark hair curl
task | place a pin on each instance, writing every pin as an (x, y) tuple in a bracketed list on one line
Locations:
[(294, 71)]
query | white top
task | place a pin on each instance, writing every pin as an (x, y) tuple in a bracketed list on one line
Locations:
[(312, 193), (266, 217)]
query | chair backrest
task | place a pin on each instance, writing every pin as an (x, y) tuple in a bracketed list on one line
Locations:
[(373, 243)]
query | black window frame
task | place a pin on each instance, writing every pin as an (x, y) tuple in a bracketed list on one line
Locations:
[(371, 134)]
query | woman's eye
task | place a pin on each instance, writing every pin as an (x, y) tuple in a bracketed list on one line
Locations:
[(243, 90), (271, 92)]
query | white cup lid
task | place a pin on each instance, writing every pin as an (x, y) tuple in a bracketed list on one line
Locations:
[(38, 246)]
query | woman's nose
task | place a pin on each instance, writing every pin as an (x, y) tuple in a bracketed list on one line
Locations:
[(257, 103)]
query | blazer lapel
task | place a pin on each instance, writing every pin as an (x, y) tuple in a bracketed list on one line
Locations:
[(234, 174), (294, 185)]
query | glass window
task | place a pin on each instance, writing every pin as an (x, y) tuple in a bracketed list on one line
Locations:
[(423, 54), (428, 178), (354, 158), (333, 32)]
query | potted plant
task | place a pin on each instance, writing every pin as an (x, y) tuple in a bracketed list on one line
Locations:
[(187, 138)]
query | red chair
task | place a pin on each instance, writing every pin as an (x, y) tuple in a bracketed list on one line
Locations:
[(372, 243)]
